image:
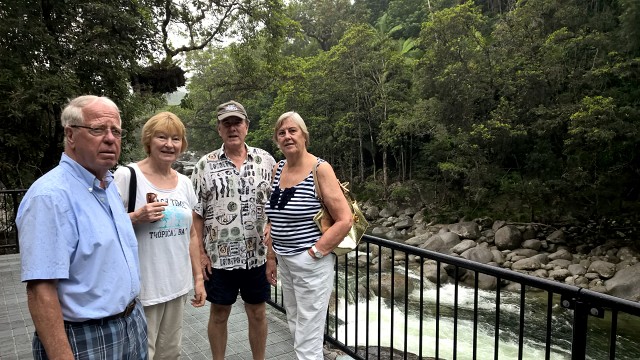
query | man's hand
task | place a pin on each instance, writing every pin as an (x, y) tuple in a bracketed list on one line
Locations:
[(272, 271), (205, 264)]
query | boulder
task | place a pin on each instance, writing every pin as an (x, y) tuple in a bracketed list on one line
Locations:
[(386, 285), (508, 238), (497, 225), (529, 264), (403, 223), (478, 254), (625, 283), (606, 270), (431, 272), (466, 230), (450, 239), (561, 254), (463, 246), (556, 237), (485, 282), (577, 269), (533, 244), (435, 243)]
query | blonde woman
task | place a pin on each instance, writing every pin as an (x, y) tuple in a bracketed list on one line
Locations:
[(167, 242)]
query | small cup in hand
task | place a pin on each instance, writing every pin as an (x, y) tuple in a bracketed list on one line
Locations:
[(151, 198)]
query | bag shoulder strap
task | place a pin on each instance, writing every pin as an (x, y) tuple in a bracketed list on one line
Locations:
[(132, 190), (316, 182)]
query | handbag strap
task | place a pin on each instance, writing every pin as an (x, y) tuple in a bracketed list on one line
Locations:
[(316, 182), (132, 190)]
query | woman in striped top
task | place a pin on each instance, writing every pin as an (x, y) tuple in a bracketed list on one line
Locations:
[(303, 253)]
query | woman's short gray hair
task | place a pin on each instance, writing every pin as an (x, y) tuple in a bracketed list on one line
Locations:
[(297, 119)]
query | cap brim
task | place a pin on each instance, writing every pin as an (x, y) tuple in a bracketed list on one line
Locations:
[(231, 114)]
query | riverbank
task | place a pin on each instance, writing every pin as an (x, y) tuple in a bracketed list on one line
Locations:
[(600, 258)]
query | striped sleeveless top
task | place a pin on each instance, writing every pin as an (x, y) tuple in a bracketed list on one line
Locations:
[(291, 213)]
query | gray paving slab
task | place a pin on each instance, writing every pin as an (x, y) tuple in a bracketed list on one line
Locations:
[(16, 326)]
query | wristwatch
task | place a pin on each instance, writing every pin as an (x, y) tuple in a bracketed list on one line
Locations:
[(316, 253)]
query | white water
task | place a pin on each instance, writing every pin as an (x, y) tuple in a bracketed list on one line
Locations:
[(534, 333), (507, 349)]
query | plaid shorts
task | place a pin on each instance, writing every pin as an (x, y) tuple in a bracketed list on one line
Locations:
[(118, 339)]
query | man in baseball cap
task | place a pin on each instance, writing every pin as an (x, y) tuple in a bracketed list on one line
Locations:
[(232, 252), (232, 109)]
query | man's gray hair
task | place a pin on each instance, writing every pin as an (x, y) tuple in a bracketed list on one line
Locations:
[(72, 113)]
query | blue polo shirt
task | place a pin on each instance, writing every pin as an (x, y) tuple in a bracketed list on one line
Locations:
[(72, 230)]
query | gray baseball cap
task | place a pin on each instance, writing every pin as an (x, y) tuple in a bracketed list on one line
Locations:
[(231, 109)]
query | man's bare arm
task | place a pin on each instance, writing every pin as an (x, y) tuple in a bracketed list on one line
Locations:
[(44, 306)]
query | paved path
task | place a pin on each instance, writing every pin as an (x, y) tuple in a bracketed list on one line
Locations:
[(16, 327)]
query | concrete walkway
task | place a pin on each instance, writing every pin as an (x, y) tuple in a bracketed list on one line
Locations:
[(16, 326)]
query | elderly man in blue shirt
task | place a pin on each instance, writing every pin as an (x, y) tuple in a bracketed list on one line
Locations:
[(78, 248)]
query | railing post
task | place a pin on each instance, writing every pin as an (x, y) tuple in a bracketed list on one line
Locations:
[(581, 312), (16, 204), (579, 336)]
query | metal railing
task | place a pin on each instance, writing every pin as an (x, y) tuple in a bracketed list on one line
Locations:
[(9, 202), (391, 300), (385, 307)]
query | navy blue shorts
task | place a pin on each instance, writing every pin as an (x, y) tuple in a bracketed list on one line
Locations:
[(223, 286)]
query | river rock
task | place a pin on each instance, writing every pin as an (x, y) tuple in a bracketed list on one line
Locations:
[(463, 246), (560, 263), (389, 210), (577, 269), (530, 264), (403, 223), (450, 239), (372, 212), (498, 257), (559, 274), (485, 282), (561, 254), (478, 254), (556, 237), (606, 270), (431, 272), (466, 230), (533, 244), (435, 243), (508, 238), (498, 224), (418, 239), (625, 283), (525, 252), (379, 231), (386, 284)]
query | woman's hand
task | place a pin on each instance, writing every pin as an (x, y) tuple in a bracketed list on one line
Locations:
[(148, 213), (272, 270), (200, 294)]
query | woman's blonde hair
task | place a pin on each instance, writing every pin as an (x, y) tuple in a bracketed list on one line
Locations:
[(166, 122), (297, 119)]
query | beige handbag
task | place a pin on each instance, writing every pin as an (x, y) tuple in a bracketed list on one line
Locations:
[(324, 220)]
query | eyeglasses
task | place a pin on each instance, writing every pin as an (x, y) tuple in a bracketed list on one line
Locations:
[(102, 130), (287, 194)]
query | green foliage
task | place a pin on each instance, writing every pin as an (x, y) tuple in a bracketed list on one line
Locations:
[(527, 109)]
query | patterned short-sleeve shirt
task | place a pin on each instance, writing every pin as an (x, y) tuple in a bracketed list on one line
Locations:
[(232, 201)]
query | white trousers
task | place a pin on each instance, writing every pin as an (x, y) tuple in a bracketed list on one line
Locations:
[(306, 288), (164, 328)]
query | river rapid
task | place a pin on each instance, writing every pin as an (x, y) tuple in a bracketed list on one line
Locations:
[(534, 333)]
